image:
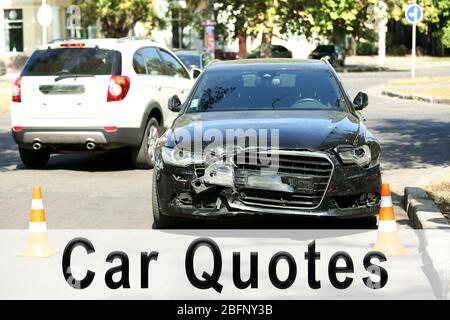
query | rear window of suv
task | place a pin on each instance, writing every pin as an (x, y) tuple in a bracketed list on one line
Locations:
[(54, 62)]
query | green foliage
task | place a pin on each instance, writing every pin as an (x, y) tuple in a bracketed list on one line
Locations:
[(366, 48), (118, 17), (445, 36), (329, 18), (397, 50)]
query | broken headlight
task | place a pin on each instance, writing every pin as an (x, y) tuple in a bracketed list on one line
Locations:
[(178, 157), (360, 155)]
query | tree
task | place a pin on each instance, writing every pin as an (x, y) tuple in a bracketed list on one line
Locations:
[(118, 17), (251, 17), (435, 23), (193, 14), (329, 18)]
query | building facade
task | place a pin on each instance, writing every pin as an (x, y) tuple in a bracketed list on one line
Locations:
[(20, 31)]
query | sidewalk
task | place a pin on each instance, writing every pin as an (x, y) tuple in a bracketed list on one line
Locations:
[(397, 63), (428, 89)]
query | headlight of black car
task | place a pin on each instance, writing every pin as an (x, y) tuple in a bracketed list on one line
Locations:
[(178, 157), (363, 155)]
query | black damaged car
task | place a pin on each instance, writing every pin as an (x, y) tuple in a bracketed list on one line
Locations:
[(268, 137)]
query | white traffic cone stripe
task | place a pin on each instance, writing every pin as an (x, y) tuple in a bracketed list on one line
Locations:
[(387, 225), (386, 202), (37, 227), (37, 204)]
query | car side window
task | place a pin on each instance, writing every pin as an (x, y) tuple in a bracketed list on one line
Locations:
[(173, 67), (139, 63), (151, 62)]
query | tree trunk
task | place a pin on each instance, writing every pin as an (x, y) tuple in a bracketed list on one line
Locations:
[(242, 44), (268, 24)]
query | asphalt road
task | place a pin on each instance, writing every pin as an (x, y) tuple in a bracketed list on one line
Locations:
[(91, 191)]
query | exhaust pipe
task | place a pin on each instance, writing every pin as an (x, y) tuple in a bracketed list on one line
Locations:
[(90, 145), (37, 146)]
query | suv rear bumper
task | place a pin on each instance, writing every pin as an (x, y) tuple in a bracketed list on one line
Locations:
[(60, 137)]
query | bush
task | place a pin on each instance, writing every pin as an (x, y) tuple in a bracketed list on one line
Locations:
[(366, 49), (445, 38), (397, 50)]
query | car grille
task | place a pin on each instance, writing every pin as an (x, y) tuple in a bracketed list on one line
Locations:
[(313, 168)]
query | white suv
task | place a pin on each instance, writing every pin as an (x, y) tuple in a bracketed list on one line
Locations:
[(96, 95)]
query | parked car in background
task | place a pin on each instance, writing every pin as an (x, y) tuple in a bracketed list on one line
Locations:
[(194, 59), (335, 54), (277, 52), (95, 95)]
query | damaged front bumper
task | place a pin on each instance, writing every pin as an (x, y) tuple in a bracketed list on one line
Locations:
[(306, 183)]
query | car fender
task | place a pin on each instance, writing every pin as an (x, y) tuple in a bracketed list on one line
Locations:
[(153, 107)]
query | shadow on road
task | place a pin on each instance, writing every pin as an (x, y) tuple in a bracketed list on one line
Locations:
[(271, 222), (412, 144), (358, 68), (9, 156), (116, 160)]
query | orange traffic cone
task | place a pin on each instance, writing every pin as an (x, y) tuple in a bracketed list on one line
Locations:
[(388, 240), (37, 245)]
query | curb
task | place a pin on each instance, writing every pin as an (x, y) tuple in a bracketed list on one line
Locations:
[(416, 97), (424, 214), (361, 69)]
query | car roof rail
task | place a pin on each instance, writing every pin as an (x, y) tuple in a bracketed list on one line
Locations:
[(57, 40), (133, 38)]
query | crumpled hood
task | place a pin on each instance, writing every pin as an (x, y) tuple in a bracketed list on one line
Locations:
[(306, 129)]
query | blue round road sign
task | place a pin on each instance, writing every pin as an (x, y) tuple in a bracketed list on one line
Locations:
[(414, 13)]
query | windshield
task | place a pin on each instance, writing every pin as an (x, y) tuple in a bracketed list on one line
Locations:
[(190, 61), (265, 90), (73, 61)]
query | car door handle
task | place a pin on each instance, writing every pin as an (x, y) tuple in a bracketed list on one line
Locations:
[(158, 88)]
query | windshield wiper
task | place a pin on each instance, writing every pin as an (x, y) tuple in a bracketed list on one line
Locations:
[(66, 76), (276, 100)]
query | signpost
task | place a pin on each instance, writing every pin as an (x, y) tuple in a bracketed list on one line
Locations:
[(413, 15), (44, 17)]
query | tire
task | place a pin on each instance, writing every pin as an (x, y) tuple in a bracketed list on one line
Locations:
[(34, 158), (140, 155), (159, 221)]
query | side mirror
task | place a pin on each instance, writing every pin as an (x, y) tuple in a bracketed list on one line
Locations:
[(174, 104), (195, 73), (361, 101)]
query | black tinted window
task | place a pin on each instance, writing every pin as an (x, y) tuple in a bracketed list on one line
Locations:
[(173, 67), (73, 61), (139, 64), (190, 60), (279, 49), (268, 89)]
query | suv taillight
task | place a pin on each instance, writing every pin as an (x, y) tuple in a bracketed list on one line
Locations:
[(16, 90), (118, 88)]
